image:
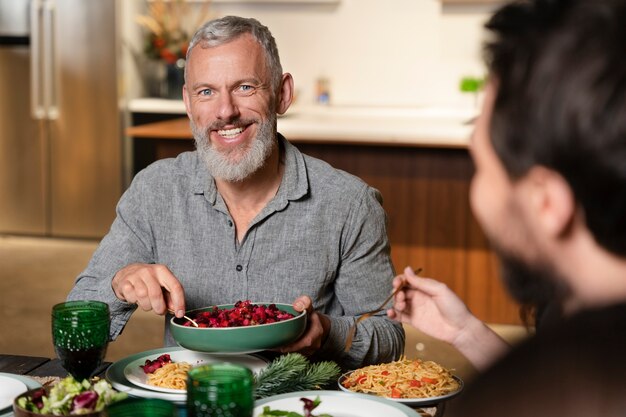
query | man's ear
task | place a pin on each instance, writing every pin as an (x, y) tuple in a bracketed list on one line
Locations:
[(552, 200), (285, 94)]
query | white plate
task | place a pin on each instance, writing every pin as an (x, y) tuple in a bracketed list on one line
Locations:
[(30, 384), (411, 402), (115, 374), (9, 389), (135, 374), (337, 404)]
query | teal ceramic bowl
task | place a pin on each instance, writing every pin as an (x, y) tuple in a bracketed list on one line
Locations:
[(245, 339)]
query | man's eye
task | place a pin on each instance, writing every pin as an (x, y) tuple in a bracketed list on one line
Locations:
[(206, 92), (246, 88)]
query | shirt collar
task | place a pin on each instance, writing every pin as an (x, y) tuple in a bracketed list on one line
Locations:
[(295, 182)]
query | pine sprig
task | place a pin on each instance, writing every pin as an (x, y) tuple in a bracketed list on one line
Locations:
[(277, 377), (294, 372), (317, 376)]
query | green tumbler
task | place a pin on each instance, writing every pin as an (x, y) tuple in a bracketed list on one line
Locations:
[(142, 407), (80, 333), (220, 389)]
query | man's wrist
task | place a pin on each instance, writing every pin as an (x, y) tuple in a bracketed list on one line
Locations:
[(478, 343), (326, 324)]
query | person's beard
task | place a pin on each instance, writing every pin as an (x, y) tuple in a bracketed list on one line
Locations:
[(240, 162), (533, 284)]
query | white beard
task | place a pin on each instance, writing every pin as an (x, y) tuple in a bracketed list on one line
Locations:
[(238, 163)]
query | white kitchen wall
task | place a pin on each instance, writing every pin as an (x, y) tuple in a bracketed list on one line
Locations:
[(374, 52)]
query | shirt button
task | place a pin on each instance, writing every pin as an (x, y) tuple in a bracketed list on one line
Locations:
[(239, 268), (230, 223)]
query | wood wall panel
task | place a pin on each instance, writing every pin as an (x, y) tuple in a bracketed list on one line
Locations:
[(426, 196)]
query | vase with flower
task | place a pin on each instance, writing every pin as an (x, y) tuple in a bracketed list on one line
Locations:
[(168, 28)]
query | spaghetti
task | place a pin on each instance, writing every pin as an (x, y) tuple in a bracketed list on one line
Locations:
[(402, 379), (170, 375)]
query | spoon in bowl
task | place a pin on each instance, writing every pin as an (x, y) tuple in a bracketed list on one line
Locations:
[(193, 322), (369, 314)]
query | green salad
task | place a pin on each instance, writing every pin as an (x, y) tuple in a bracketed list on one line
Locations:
[(70, 397)]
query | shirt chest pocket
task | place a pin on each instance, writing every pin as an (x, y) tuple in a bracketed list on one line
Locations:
[(285, 283)]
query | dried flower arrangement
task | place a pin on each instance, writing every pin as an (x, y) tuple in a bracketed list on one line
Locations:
[(168, 24)]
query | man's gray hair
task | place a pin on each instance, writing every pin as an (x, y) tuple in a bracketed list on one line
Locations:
[(220, 31)]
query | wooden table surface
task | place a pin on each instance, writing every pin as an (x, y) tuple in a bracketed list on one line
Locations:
[(38, 366)]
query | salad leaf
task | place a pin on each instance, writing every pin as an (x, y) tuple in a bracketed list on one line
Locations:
[(71, 397), (106, 394), (309, 406), (268, 412), (85, 401)]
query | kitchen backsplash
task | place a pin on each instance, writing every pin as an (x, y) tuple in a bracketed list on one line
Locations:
[(372, 52)]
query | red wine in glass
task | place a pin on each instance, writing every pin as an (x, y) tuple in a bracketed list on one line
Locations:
[(81, 363)]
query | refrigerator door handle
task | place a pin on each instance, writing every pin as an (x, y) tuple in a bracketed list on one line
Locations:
[(50, 81), (37, 107)]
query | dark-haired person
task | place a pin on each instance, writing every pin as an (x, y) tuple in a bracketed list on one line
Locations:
[(247, 216), (549, 190)]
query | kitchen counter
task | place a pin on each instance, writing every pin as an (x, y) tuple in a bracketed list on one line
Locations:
[(386, 126)]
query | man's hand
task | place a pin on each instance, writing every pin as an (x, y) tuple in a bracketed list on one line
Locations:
[(151, 287), (315, 334), (433, 308), (430, 306)]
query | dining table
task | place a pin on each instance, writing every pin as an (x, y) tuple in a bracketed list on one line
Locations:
[(46, 370)]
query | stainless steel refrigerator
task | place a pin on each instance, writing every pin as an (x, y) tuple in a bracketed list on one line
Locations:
[(60, 124)]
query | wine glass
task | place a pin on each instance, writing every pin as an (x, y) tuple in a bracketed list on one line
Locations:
[(80, 333)]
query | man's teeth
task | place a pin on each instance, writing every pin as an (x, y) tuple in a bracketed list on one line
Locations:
[(230, 132)]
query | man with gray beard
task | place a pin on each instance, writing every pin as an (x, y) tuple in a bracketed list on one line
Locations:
[(247, 216)]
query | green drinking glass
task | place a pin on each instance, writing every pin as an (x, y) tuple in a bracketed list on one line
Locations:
[(80, 333), (220, 389), (142, 407)]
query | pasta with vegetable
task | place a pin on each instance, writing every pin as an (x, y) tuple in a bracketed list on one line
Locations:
[(404, 378)]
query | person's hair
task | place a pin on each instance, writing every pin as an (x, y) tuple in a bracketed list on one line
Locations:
[(220, 31), (560, 71)]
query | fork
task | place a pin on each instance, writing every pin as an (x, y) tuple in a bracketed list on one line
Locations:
[(369, 314), (193, 322)]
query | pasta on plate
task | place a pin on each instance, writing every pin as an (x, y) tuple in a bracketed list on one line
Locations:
[(404, 378), (171, 375)]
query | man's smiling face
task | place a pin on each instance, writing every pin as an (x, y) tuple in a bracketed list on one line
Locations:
[(231, 105)]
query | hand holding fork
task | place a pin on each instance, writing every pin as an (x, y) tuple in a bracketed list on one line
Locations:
[(369, 314)]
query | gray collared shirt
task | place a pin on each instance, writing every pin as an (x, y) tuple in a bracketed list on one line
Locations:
[(322, 235)]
